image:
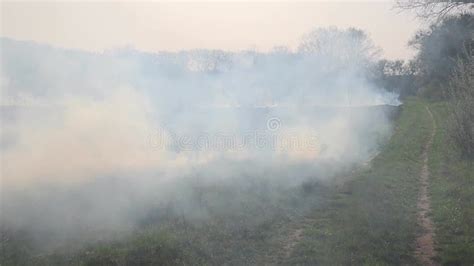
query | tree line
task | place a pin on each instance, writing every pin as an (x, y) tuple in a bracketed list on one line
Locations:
[(443, 68)]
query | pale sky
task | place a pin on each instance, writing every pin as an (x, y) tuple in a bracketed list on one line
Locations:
[(166, 26)]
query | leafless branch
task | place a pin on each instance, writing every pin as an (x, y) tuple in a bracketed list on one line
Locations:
[(435, 9)]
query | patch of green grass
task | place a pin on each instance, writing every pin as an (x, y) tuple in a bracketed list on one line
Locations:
[(148, 247), (372, 218), (452, 195), (241, 225)]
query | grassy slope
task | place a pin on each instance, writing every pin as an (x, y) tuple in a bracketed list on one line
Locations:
[(452, 194), (369, 220), (242, 233), (372, 219)]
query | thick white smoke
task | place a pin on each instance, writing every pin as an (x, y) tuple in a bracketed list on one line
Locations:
[(72, 118)]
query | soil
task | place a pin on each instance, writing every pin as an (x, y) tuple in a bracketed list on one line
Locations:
[(425, 247)]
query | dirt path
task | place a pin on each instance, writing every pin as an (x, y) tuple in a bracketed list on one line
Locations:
[(294, 238), (425, 251)]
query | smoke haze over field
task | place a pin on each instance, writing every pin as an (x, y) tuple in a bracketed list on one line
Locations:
[(93, 141), (183, 25)]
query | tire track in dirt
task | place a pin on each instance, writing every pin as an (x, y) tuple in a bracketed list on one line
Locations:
[(425, 251)]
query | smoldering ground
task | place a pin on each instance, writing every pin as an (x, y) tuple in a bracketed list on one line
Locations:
[(96, 145)]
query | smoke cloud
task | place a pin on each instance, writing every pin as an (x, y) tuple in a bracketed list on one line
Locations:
[(92, 142)]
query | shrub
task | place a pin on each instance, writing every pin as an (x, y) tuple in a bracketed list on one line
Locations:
[(461, 89)]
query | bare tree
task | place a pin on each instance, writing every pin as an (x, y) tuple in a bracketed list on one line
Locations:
[(348, 45), (435, 9)]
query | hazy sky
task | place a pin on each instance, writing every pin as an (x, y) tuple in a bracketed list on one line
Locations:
[(153, 26)]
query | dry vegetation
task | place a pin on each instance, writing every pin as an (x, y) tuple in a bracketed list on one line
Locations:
[(461, 90)]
